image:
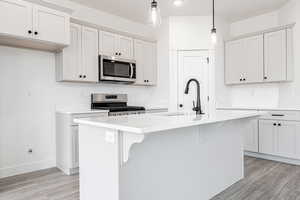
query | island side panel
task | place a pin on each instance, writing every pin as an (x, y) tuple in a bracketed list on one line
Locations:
[(190, 163), (98, 163)]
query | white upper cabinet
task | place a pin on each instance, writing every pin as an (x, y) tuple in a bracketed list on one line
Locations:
[(69, 60), (253, 59), (51, 25), (90, 51), (146, 62), (244, 60), (16, 18), (267, 57), (111, 44), (108, 43), (126, 47), (47, 29), (234, 61), (276, 56), (79, 61)]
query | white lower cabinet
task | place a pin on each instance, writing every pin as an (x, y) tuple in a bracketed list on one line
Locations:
[(67, 148), (279, 138), (267, 137), (251, 136)]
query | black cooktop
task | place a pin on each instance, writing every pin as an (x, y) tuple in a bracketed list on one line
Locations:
[(121, 108)]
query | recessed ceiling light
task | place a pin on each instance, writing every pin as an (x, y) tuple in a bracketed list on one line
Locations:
[(177, 3)]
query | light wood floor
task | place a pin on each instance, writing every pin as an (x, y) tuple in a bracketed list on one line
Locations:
[(265, 180)]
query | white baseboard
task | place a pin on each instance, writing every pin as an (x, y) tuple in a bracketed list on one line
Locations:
[(273, 158), (68, 171), (26, 168)]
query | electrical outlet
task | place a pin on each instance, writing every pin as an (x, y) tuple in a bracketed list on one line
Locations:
[(30, 151)]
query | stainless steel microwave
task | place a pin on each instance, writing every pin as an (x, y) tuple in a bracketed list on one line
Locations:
[(116, 69)]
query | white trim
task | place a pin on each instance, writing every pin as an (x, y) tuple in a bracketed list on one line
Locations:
[(54, 6), (26, 168), (274, 29), (111, 30), (273, 158)]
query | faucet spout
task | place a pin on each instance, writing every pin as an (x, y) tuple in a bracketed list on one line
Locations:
[(196, 108)]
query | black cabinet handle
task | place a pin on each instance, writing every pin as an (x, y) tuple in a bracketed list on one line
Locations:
[(180, 105), (279, 124), (274, 124), (244, 79), (265, 78), (29, 32), (80, 76), (277, 115), (241, 79), (116, 53), (120, 54), (84, 76), (36, 33)]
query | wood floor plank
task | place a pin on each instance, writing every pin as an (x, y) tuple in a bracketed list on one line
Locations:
[(264, 180)]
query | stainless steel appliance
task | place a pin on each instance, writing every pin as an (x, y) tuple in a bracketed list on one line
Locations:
[(115, 103), (116, 69)]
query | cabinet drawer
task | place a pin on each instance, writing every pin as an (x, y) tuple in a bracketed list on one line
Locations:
[(282, 115)]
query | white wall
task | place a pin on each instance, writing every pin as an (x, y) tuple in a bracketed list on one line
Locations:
[(193, 33), (260, 94), (254, 24), (273, 94), (289, 93), (30, 95)]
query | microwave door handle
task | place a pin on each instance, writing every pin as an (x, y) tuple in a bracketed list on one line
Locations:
[(131, 71)]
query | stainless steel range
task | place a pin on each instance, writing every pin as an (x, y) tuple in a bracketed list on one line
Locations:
[(115, 103)]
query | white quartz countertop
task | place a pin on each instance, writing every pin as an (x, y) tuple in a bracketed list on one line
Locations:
[(258, 108), (80, 111), (149, 123)]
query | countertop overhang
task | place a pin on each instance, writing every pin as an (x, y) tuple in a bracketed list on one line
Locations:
[(149, 123)]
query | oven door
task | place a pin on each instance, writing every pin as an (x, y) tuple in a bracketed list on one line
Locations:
[(117, 70)]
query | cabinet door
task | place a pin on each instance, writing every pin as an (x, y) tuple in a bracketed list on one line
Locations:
[(234, 61), (16, 18), (71, 67), (108, 43), (254, 60), (75, 147), (146, 62), (51, 25), (288, 139), (150, 64), (251, 136), (267, 137), (125, 47), (90, 54), (275, 56), (139, 57)]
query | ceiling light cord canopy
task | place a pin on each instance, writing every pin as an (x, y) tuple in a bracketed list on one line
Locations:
[(214, 38), (154, 14)]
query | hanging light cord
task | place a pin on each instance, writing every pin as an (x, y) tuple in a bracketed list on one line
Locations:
[(213, 14)]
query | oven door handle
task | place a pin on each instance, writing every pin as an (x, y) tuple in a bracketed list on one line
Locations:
[(131, 70)]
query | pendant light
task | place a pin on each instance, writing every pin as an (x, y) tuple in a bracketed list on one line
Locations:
[(214, 30), (154, 14)]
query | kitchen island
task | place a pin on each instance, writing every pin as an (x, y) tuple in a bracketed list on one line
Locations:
[(167, 156)]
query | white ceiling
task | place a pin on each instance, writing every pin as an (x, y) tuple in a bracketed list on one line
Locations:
[(232, 10)]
